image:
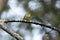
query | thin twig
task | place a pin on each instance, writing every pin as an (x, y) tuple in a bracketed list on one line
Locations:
[(33, 22), (12, 33)]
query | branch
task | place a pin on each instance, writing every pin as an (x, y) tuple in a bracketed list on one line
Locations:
[(32, 22), (12, 33)]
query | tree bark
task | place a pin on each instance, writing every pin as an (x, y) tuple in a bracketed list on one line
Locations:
[(3, 3)]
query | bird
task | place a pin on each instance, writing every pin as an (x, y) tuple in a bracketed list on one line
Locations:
[(27, 16), (3, 3)]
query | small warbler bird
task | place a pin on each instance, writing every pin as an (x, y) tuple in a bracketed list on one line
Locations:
[(27, 16)]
